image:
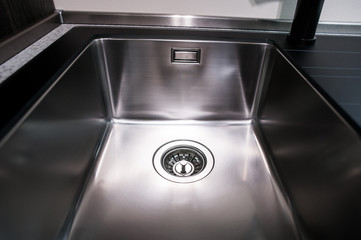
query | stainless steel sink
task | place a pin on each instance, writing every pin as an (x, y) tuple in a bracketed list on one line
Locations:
[(180, 139)]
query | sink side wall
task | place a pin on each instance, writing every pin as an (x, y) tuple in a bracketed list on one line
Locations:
[(317, 155), (43, 163)]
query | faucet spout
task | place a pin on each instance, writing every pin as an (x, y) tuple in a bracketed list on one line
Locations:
[(305, 21)]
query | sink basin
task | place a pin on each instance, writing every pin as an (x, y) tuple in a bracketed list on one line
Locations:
[(180, 139)]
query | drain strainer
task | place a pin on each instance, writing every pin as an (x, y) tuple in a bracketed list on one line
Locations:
[(183, 161)]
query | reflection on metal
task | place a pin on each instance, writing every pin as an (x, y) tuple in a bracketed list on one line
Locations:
[(122, 104), (127, 194), (238, 24), (221, 87)]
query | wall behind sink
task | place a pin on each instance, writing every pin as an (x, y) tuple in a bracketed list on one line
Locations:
[(333, 10)]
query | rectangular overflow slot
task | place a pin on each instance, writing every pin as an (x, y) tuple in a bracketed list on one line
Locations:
[(186, 55)]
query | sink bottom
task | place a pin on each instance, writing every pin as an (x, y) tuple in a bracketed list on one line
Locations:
[(125, 197)]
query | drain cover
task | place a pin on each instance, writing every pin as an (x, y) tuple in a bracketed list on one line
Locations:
[(183, 168), (183, 161)]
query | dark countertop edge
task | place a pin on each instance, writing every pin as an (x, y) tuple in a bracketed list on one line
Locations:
[(15, 44)]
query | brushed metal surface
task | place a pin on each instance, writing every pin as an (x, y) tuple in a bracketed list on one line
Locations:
[(286, 162), (127, 199), (212, 22), (316, 152), (44, 162), (142, 86)]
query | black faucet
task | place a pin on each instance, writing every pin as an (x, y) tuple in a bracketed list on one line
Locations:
[(305, 21)]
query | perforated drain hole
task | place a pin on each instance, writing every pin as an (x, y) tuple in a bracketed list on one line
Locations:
[(183, 161)]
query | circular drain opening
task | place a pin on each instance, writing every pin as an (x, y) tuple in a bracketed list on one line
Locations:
[(183, 161)]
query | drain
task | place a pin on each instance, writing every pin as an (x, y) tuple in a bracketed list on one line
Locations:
[(183, 161)]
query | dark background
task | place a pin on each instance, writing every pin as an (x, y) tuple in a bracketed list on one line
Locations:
[(16, 15)]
